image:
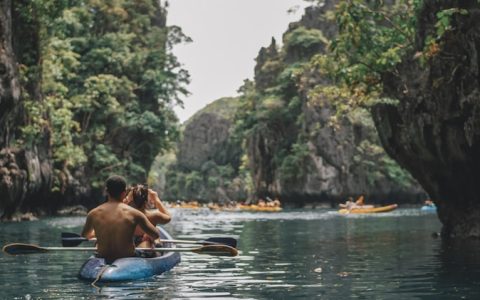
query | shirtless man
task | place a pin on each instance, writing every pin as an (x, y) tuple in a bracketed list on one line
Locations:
[(138, 197), (114, 223)]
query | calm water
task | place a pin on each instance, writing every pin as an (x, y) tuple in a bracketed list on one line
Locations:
[(308, 254)]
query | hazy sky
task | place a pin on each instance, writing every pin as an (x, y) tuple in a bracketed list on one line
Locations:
[(227, 35)]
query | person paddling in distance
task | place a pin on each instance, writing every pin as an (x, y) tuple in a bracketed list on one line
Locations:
[(114, 223), (358, 204), (139, 196)]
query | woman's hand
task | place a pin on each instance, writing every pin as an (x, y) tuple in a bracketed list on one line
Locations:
[(150, 242), (152, 196), (129, 198)]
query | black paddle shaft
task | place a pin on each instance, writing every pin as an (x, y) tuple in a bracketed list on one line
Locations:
[(72, 239)]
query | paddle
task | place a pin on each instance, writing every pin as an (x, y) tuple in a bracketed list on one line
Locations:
[(72, 239), (219, 250)]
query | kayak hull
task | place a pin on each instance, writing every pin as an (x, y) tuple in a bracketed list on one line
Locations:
[(130, 268), (369, 210), (428, 208), (252, 208), (259, 208)]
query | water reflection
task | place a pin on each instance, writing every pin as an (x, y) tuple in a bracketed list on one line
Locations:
[(297, 254), (458, 270)]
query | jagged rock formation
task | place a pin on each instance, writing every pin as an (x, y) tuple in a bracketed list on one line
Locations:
[(24, 173), (206, 163), (327, 162), (267, 68), (206, 138), (434, 132), (314, 17), (9, 96), (51, 150)]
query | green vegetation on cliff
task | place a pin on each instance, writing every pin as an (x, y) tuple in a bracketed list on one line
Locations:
[(103, 82), (205, 165), (281, 117), (374, 38), (296, 134), (225, 107), (424, 55)]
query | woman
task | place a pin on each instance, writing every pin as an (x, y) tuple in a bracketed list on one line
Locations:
[(139, 196)]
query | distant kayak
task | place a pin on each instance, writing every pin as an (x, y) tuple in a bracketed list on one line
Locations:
[(130, 268), (185, 206), (369, 210), (429, 208), (239, 207), (254, 207)]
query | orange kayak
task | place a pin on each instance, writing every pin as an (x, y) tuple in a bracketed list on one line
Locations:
[(369, 210), (252, 207), (185, 206)]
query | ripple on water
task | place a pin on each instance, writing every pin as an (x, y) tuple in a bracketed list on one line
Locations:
[(384, 256)]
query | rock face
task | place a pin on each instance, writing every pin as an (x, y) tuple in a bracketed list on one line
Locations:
[(24, 173), (207, 158), (9, 84), (206, 138), (9, 97), (349, 160), (333, 161), (314, 17), (36, 143), (434, 132)]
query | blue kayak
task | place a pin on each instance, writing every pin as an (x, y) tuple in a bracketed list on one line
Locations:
[(130, 268), (429, 208)]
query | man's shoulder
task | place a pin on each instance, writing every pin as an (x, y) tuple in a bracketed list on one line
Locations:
[(99, 209), (129, 209), (95, 210)]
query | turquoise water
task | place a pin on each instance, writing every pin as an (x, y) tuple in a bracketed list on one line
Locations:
[(303, 254)]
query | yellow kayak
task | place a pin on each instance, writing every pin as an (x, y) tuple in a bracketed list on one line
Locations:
[(185, 206), (254, 207), (369, 210)]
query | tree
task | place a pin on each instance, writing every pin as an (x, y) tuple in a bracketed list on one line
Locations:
[(108, 82)]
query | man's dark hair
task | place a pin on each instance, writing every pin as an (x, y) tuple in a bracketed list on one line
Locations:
[(115, 186)]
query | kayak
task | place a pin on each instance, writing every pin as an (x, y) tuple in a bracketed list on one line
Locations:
[(186, 206), (130, 268), (254, 207), (369, 210), (240, 207), (428, 208)]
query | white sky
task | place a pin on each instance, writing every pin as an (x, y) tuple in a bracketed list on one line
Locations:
[(227, 35)]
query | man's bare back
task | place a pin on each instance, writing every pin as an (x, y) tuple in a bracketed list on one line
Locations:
[(114, 223)]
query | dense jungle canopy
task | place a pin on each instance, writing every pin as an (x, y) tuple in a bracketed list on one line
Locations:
[(97, 85)]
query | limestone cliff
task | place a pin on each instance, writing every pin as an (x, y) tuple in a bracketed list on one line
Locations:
[(297, 145), (75, 106), (25, 174), (206, 136), (300, 148), (205, 165), (434, 131)]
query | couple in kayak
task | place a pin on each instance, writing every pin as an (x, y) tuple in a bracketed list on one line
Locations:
[(122, 223), (350, 204)]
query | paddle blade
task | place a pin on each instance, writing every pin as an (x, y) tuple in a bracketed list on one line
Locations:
[(70, 235), (221, 241), (219, 250), (72, 239), (16, 248)]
